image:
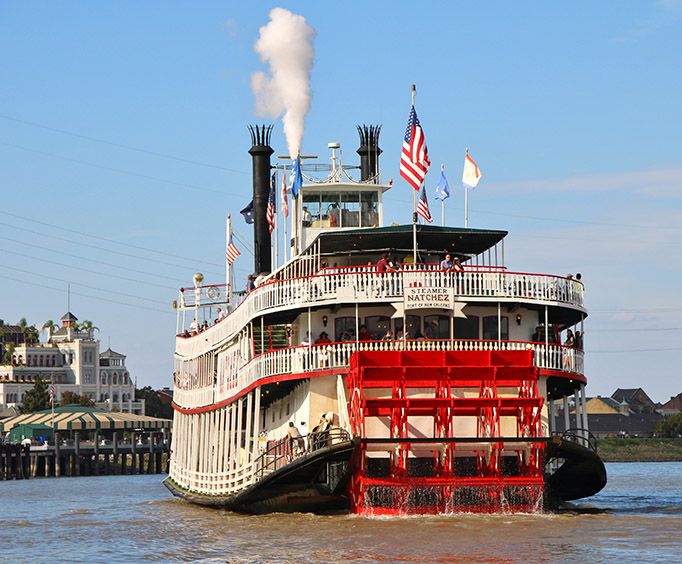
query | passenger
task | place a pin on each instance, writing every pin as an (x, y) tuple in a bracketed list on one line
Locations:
[(194, 327), (250, 286), (296, 441), (447, 264), (432, 330), (365, 335), (419, 336), (260, 279), (399, 335), (384, 265), (323, 339), (204, 325), (578, 341), (307, 218), (568, 353), (388, 336), (306, 341), (348, 336), (457, 266)]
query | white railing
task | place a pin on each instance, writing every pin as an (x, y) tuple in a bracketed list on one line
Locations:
[(370, 286), (301, 359)]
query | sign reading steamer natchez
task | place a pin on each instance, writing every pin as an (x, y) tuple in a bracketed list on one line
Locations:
[(420, 297)]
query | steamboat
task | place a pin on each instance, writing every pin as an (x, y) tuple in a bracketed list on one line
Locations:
[(337, 385)]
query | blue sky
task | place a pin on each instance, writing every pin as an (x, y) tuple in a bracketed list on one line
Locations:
[(123, 143)]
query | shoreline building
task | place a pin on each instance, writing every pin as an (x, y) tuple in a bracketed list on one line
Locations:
[(70, 359)]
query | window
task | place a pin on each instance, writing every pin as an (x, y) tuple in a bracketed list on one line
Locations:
[(467, 328), (350, 210), (311, 210), (378, 326), (344, 328), (413, 326), (368, 209), (437, 327), (490, 328)]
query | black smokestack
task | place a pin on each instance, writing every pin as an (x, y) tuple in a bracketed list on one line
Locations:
[(369, 151), (260, 153)]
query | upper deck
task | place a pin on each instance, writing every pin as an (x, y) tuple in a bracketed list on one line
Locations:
[(333, 286)]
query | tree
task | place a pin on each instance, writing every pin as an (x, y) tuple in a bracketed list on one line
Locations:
[(71, 398), (37, 398), (670, 426), (88, 326), (152, 403), (9, 351)]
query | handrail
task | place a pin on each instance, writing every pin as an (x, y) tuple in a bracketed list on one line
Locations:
[(336, 355), (369, 287), (579, 436), (289, 449)]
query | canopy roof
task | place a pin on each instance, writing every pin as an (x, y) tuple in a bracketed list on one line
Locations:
[(430, 238), (77, 417)]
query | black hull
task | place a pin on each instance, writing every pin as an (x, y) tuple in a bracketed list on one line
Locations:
[(582, 474), (315, 482)]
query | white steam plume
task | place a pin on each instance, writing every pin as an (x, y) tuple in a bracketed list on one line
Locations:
[(286, 45)]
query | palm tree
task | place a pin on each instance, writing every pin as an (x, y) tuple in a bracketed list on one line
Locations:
[(49, 325), (23, 325), (88, 326)]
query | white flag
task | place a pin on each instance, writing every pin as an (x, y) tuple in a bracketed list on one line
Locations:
[(471, 173)]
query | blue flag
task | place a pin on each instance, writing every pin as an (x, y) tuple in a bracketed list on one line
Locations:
[(442, 190), (296, 180), (247, 212)]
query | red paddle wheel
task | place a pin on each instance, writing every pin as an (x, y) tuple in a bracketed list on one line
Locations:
[(461, 460)]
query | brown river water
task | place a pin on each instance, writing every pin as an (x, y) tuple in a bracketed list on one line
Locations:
[(637, 518)]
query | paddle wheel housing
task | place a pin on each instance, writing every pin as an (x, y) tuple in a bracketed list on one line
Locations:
[(431, 427)]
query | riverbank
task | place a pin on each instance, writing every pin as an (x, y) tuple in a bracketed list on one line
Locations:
[(640, 450)]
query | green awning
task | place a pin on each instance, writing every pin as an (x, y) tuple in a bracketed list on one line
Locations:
[(399, 238)]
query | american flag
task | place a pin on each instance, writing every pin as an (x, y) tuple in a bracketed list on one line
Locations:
[(231, 252), (272, 206), (414, 161), (423, 207), (52, 393), (285, 203)]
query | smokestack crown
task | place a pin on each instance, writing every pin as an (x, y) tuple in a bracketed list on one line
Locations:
[(369, 151)]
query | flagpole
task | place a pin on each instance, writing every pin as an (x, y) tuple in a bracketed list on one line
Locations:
[(228, 266), (442, 202), (466, 201), (274, 194), (414, 206), (284, 219)]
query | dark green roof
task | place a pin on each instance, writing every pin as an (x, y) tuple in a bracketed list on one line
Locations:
[(430, 238)]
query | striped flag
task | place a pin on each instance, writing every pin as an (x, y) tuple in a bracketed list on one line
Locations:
[(272, 206), (52, 394), (285, 203), (414, 161), (471, 173), (231, 251), (423, 207)]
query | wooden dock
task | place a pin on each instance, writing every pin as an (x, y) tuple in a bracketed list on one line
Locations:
[(85, 458)]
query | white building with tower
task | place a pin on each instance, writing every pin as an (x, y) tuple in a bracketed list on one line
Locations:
[(72, 361)]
